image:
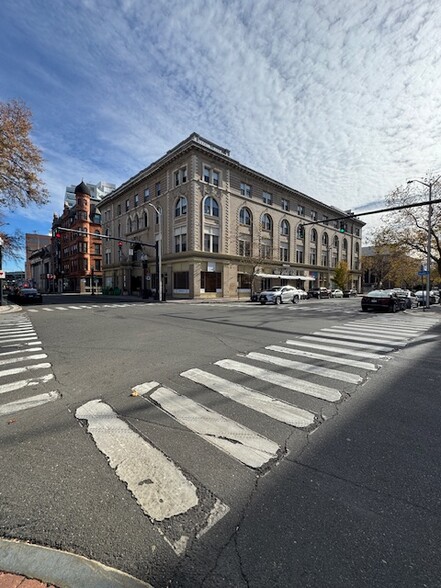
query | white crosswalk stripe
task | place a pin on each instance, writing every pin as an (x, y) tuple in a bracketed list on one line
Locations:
[(332, 359), (282, 380), (276, 409), (20, 344)]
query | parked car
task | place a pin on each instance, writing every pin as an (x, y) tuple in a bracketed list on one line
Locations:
[(279, 295), (409, 299), (337, 293), (349, 293), (302, 293), (26, 296), (434, 297), (386, 300), (318, 293)]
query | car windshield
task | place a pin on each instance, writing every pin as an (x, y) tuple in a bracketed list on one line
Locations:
[(379, 294), (275, 288)]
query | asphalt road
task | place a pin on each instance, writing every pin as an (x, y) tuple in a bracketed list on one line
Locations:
[(233, 495)]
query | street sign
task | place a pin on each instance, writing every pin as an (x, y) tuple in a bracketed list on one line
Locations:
[(423, 273)]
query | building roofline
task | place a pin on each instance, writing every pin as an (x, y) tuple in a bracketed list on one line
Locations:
[(196, 141)]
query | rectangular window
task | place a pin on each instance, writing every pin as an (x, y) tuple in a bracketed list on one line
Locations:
[(245, 190), (265, 251), (97, 249), (267, 197), (325, 219), (313, 215), (180, 243), (98, 265), (284, 204), (136, 198), (108, 258), (299, 255), (127, 204), (180, 176), (211, 176), (300, 210), (244, 248), (215, 178), (324, 258), (284, 253), (181, 281), (177, 178), (313, 257), (146, 194), (207, 174), (158, 188), (211, 243), (118, 210)]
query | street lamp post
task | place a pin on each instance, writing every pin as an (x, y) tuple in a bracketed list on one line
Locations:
[(159, 251), (429, 234)]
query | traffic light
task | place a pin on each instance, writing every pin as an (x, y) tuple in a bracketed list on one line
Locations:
[(120, 245), (342, 227)]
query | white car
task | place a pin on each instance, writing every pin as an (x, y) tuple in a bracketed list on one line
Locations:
[(337, 293), (433, 297), (279, 295)]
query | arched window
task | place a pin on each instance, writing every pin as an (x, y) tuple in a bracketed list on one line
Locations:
[(267, 222), (137, 222), (211, 206), (129, 225), (300, 231), (325, 239), (146, 220), (284, 228), (181, 206), (336, 241), (245, 216), (313, 236)]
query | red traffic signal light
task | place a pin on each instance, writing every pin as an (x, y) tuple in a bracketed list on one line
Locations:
[(120, 244), (58, 235)]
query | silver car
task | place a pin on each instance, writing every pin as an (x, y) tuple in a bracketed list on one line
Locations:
[(279, 295)]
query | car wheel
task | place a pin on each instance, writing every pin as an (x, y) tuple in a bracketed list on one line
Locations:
[(364, 309), (262, 302), (394, 307), (295, 299), (277, 300)]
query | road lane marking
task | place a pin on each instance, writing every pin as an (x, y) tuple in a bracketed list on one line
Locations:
[(369, 333), (306, 367), (339, 350), (31, 402), (276, 409), (24, 383), (295, 384), (327, 338), (332, 359), (348, 335), (31, 350), (234, 439), (22, 344), (22, 370), (22, 358), (158, 485)]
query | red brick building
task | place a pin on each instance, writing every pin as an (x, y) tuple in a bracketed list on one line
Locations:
[(77, 252)]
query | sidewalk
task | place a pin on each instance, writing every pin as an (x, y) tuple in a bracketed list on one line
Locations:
[(35, 566)]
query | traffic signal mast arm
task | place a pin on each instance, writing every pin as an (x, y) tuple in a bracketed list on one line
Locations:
[(106, 237), (356, 215)]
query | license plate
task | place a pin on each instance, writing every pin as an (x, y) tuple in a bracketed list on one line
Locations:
[(374, 300)]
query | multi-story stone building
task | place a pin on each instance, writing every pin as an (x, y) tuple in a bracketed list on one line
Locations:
[(224, 229), (77, 255)]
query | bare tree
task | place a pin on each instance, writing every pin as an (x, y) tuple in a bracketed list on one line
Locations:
[(21, 161), (408, 228)]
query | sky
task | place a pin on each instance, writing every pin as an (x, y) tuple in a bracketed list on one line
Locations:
[(340, 100)]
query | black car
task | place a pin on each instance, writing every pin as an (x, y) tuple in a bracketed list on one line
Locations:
[(26, 296), (318, 293), (348, 293), (386, 300)]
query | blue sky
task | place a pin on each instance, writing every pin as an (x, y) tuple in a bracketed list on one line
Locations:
[(340, 100)]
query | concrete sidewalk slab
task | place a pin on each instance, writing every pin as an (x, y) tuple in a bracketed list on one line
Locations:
[(57, 568)]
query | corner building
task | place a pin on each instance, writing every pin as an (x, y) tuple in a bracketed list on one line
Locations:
[(225, 229)]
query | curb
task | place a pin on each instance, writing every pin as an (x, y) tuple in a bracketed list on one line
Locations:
[(60, 568)]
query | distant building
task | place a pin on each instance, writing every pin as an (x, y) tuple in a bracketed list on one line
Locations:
[(34, 242), (97, 192), (77, 255)]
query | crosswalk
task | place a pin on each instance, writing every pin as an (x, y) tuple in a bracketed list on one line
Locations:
[(292, 383), (23, 369)]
